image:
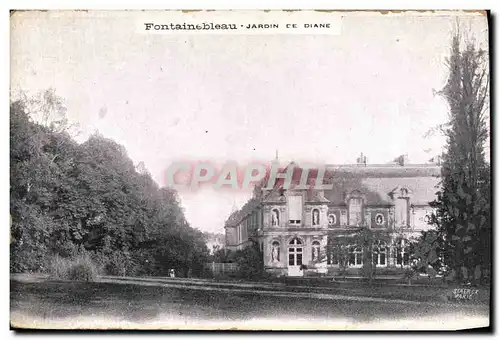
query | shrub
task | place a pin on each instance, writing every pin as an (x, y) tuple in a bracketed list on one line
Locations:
[(83, 269), (59, 267), (250, 263), (410, 274), (80, 268), (120, 264)]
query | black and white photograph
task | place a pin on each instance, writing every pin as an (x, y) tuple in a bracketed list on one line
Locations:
[(250, 170)]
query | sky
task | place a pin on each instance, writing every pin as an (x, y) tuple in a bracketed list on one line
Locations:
[(219, 98)]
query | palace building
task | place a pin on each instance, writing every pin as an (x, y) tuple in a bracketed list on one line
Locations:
[(299, 230)]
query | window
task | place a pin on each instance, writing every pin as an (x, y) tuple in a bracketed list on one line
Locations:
[(333, 257), (295, 253), (275, 218), (380, 253), (242, 229), (355, 256), (379, 219), (315, 217), (333, 254), (402, 253), (295, 209), (355, 210), (332, 219), (402, 211), (315, 250), (275, 251), (339, 254)]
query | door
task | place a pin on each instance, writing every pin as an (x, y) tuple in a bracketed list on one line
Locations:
[(295, 253)]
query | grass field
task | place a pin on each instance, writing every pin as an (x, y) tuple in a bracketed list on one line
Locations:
[(58, 304)]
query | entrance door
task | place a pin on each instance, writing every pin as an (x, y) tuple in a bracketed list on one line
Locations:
[(295, 258)]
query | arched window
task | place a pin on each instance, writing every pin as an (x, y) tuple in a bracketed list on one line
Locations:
[(380, 253), (402, 253), (295, 252), (338, 254), (355, 256), (332, 253), (315, 217), (275, 251), (275, 218), (332, 220), (315, 250)]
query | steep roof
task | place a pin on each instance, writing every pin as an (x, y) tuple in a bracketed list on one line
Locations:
[(386, 170), (237, 216), (233, 217), (376, 182)]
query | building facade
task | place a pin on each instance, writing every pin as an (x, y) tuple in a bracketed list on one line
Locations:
[(299, 230)]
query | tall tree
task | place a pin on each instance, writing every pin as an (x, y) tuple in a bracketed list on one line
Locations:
[(67, 198), (463, 204)]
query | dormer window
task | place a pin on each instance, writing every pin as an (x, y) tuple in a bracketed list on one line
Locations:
[(401, 197), (294, 210), (402, 211), (355, 211)]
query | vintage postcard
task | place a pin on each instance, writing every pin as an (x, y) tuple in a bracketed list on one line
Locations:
[(250, 170)]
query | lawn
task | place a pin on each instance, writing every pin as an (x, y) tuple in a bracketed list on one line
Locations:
[(57, 304), (386, 290)]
